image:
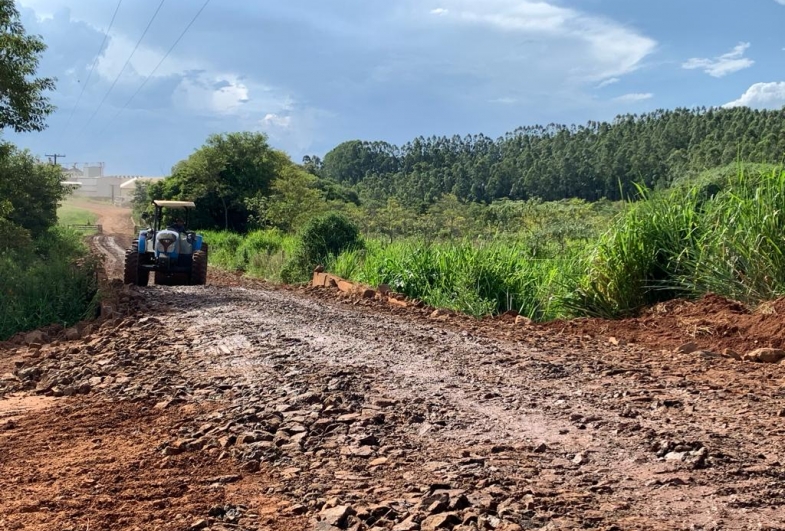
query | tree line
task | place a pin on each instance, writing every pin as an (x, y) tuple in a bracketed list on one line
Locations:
[(241, 183), (554, 162)]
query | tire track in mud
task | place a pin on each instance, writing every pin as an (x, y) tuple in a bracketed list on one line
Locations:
[(114, 255)]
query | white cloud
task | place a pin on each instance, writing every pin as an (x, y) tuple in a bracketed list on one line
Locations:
[(781, 2), (762, 96), (724, 64), (295, 129), (276, 121), (118, 49), (630, 98), (608, 82), (590, 47), (224, 94), (439, 11)]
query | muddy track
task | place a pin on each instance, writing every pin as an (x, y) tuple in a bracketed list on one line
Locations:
[(113, 253), (333, 407)]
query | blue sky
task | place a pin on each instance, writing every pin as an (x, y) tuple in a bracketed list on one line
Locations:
[(314, 73)]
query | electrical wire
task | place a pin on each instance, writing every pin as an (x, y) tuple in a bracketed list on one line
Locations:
[(154, 70), (150, 23), (95, 62)]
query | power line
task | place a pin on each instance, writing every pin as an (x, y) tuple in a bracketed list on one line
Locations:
[(55, 157), (124, 66), (95, 62), (146, 79)]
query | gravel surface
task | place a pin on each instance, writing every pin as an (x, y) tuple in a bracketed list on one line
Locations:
[(331, 415)]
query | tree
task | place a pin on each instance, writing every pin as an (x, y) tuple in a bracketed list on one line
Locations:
[(312, 165), (554, 162), (223, 175), (30, 191), (23, 106), (392, 219), (293, 201)]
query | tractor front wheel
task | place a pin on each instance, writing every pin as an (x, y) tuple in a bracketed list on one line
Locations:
[(143, 277)]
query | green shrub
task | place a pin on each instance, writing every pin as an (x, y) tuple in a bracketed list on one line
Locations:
[(324, 237), (55, 282), (327, 236)]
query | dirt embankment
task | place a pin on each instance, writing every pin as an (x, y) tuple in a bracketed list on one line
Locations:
[(325, 414)]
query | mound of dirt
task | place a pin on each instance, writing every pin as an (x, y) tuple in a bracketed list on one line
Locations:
[(712, 322)]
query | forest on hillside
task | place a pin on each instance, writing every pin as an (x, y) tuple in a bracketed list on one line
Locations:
[(554, 162)]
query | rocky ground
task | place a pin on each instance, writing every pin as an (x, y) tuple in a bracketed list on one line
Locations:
[(238, 406), (241, 406)]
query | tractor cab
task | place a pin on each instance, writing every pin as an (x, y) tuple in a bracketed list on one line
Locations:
[(175, 254)]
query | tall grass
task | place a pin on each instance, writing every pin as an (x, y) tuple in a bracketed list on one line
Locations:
[(725, 239), (639, 260), (477, 279), (54, 281), (741, 250), (262, 254)]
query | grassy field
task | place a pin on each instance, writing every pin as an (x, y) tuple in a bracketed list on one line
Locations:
[(70, 214)]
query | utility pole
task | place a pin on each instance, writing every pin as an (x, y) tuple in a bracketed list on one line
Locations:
[(55, 157)]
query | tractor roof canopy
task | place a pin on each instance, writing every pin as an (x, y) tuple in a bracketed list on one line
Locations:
[(174, 204)]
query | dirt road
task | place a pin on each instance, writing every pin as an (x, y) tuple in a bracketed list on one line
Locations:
[(117, 230), (115, 220), (237, 408)]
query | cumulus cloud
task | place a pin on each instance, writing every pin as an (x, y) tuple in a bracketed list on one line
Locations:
[(724, 64), (142, 63), (276, 121), (631, 98), (293, 129), (762, 96)]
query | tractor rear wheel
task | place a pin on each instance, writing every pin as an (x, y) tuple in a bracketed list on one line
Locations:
[(199, 267), (131, 271), (133, 274)]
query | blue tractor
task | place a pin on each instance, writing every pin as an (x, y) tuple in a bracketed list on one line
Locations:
[(174, 254)]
